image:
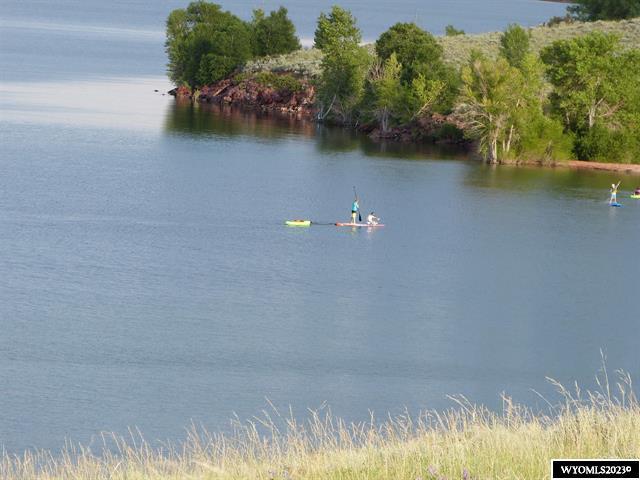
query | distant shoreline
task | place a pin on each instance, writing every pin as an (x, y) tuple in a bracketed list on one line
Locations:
[(285, 85), (632, 168), (623, 168)]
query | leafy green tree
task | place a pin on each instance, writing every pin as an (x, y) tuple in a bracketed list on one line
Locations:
[(342, 81), (384, 79), (596, 92), (418, 51), (205, 44), (514, 45), (273, 35), (591, 10), (344, 65), (594, 80), (503, 107), (451, 31), (337, 26), (488, 95), (421, 57), (421, 97)]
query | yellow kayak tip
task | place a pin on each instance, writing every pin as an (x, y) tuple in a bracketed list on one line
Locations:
[(298, 223)]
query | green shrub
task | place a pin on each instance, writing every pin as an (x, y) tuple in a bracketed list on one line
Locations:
[(514, 45), (543, 139), (450, 133), (555, 21), (604, 145), (284, 83), (451, 31)]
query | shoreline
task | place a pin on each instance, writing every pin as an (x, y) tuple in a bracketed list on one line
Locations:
[(286, 85), (623, 168), (299, 108), (627, 168)]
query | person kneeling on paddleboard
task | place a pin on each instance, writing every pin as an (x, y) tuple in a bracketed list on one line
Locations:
[(614, 193), (354, 210), (372, 219)]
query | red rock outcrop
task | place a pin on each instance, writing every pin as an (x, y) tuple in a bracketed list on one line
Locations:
[(249, 93)]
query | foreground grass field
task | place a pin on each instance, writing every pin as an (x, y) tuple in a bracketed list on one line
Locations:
[(466, 442), (457, 49)]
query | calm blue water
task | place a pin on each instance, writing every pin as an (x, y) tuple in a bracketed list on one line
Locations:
[(72, 39), (146, 278)]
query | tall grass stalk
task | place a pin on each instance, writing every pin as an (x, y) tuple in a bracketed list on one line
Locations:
[(467, 441)]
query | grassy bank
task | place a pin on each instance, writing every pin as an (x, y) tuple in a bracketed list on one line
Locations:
[(465, 442), (457, 49)]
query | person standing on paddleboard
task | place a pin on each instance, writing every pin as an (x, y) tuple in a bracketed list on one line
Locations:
[(355, 208), (614, 193)]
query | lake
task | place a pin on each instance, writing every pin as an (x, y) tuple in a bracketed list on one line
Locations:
[(147, 279)]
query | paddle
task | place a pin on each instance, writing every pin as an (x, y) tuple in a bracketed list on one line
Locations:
[(356, 195)]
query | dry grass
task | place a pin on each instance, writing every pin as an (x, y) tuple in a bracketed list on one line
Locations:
[(305, 62), (465, 442), (457, 49)]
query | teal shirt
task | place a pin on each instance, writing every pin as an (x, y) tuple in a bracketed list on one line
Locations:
[(355, 207)]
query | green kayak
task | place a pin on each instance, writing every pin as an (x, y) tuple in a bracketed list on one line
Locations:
[(298, 223), (634, 196)]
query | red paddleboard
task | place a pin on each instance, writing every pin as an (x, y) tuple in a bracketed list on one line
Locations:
[(358, 225)]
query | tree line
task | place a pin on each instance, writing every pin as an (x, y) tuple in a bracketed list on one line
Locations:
[(577, 98)]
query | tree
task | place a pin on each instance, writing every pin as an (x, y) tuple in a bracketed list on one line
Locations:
[(418, 51), (421, 57), (417, 99), (344, 64), (503, 108), (591, 10), (273, 35), (342, 81), (488, 95), (514, 45), (451, 31), (596, 93), (384, 79), (338, 26), (594, 81), (205, 44)]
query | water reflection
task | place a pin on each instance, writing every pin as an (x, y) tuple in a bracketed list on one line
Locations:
[(198, 119), (186, 118), (561, 181)]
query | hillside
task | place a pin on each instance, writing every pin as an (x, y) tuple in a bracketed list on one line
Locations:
[(458, 48)]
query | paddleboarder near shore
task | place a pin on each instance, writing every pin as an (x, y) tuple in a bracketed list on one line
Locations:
[(614, 193)]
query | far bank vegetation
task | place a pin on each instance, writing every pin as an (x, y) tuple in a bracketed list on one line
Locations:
[(570, 89)]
